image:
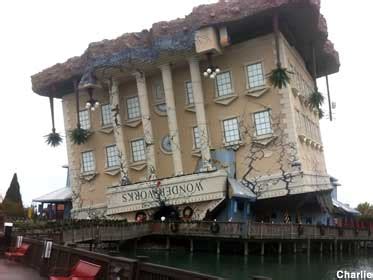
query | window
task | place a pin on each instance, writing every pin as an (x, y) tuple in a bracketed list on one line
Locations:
[(60, 207), (85, 122), (189, 93), (255, 75), (159, 90), (196, 138), (133, 108), (112, 156), (88, 162), (106, 114), (308, 128), (224, 84), (304, 86), (138, 150), (263, 123), (299, 120), (231, 131), (314, 134), (309, 89)]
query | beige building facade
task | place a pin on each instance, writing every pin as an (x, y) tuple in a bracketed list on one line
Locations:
[(160, 125)]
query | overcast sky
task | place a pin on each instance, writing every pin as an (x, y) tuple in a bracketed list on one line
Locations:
[(37, 34)]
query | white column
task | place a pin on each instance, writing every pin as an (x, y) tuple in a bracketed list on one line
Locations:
[(118, 133), (146, 123), (171, 118), (199, 105)]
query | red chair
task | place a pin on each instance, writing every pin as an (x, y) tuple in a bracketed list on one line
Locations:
[(81, 271), (17, 253)]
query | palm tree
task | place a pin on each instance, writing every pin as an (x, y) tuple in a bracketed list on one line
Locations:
[(78, 135), (278, 77), (366, 211), (316, 99), (53, 139)]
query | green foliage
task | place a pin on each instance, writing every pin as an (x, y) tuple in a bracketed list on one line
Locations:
[(12, 209), (79, 136), (53, 139), (12, 204), (366, 211), (279, 77), (13, 194), (316, 100)]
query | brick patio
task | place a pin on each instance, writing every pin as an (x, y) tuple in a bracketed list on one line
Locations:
[(10, 270)]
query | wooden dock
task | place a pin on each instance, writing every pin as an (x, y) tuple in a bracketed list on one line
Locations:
[(114, 231), (334, 238), (248, 235)]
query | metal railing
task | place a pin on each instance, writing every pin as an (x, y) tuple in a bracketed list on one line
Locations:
[(63, 258)]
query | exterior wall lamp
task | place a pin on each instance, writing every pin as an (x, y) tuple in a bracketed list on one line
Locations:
[(89, 83), (91, 103), (211, 70)]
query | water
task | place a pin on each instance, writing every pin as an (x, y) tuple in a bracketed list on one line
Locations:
[(286, 267)]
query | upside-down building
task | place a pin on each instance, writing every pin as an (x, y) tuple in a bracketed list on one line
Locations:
[(192, 119)]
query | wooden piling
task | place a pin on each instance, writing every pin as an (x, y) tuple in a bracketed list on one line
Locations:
[(308, 247), (246, 248), (335, 246), (262, 249)]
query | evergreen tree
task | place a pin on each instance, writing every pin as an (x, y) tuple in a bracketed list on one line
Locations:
[(12, 203)]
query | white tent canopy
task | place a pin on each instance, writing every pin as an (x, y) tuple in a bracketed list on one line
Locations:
[(345, 207), (60, 195)]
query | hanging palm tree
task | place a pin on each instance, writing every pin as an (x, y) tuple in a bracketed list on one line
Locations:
[(53, 139), (280, 76), (316, 99), (78, 135)]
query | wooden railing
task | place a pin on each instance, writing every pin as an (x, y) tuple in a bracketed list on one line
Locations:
[(63, 258), (260, 231), (125, 231)]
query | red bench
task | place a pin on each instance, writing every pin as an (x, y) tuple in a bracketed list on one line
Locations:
[(81, 271), (17, 252)]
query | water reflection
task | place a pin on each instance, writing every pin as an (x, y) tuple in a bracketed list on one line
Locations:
[(285, 267)]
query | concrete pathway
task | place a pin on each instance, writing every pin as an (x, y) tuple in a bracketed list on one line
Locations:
[(10, 270)]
